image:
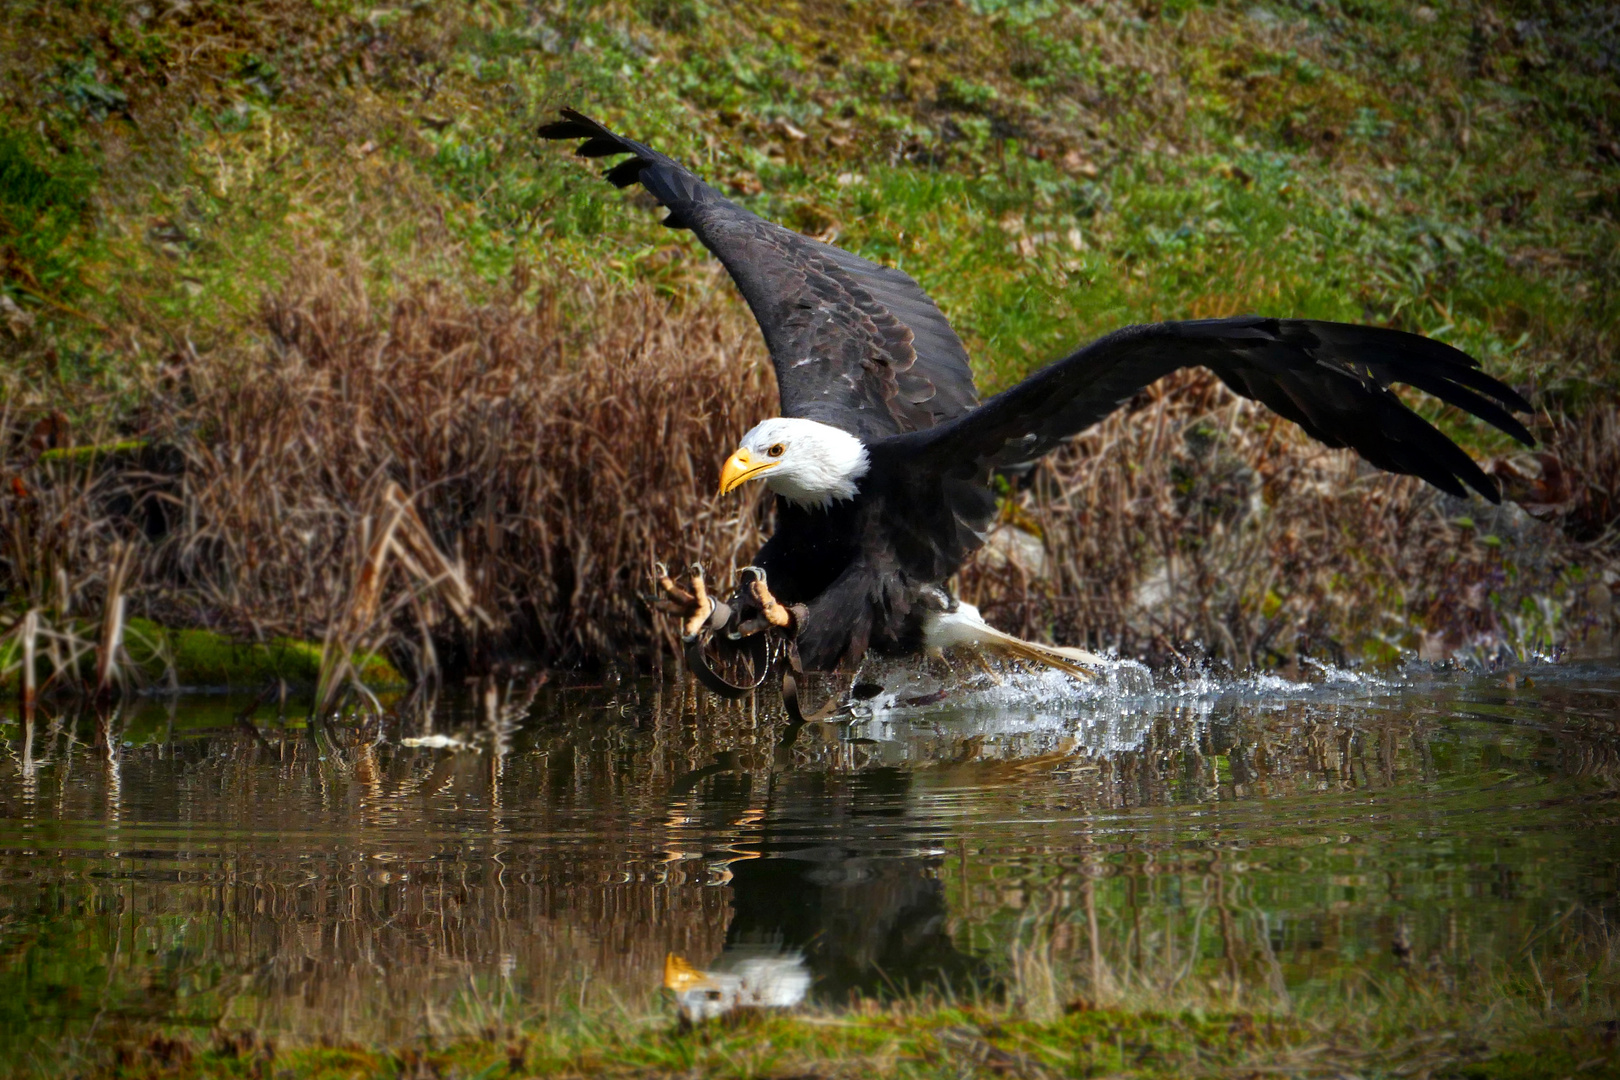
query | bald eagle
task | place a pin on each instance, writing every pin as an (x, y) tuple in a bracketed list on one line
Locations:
[(883, 458)]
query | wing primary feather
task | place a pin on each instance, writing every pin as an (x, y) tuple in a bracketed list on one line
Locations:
[(1332, 379), (1464, 398), (890, 367), (625, 173)]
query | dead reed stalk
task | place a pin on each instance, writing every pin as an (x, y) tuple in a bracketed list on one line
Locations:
[(401, 540), (29, 632), (112, 624)]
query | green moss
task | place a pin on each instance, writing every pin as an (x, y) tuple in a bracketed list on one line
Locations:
[(87, 455), (1550, 1055), (44, 202), (205, 658)]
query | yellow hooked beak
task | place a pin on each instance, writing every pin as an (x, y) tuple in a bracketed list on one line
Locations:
[(740, 468)]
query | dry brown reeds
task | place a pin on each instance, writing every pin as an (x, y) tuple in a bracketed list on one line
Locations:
[(471, 479), (522, 463), (553, 448), (66, 519)]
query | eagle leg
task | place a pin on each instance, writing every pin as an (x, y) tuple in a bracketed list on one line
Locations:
[(774, 613), (703, 607), (692, 608)]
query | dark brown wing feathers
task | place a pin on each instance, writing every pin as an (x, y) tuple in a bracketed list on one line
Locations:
[(854, 344), (1332, 379)]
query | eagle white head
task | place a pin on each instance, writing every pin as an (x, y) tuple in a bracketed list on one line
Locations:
[(805, 461)]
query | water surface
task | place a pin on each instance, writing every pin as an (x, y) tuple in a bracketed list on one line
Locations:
[(172, 864)]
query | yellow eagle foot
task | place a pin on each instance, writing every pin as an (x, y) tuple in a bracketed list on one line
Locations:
[(774, 613), (693, 607)]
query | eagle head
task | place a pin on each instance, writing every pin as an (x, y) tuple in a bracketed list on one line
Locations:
[(805, 461)]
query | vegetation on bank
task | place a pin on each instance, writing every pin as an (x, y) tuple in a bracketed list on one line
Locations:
[(1399, 1031), (276, 258), (157, 656)]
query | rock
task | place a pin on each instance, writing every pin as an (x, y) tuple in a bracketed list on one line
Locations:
[(17, 321), (1008, 545), (1536, 481)]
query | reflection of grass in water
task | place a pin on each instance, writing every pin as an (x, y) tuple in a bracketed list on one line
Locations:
[(1426, 1008), (1326, 840)]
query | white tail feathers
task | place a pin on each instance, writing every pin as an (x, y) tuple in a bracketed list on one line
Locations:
[(965, 626)]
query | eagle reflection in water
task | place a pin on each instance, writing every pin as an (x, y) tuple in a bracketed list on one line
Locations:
[(819, 910)]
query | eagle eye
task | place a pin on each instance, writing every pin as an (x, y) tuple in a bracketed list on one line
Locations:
[(777, 451)]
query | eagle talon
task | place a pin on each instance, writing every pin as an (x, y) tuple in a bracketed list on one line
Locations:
[(693, 608), (702, 604), (676, 600), (700, 618), (775, 614)]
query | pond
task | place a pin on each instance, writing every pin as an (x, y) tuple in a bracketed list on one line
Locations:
[(173, 863)]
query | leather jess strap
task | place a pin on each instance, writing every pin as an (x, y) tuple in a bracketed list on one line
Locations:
[(699, 664), (792, 673), (759, 646)]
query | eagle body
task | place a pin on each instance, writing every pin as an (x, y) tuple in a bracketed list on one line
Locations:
[(884, 456), (870, 569)]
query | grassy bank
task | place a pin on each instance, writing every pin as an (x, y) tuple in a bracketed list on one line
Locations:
[(943, 1042), (1414, 1027), (280, 257)]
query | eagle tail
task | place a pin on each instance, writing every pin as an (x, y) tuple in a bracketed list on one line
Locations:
[(965, 626)]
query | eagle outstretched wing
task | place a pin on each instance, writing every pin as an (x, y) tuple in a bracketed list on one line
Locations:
[(855, 345), (1332, 379), (863, 348)]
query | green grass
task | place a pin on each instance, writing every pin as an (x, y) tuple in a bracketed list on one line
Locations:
[(1047, 172), (44, 233), (932, 1040)]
